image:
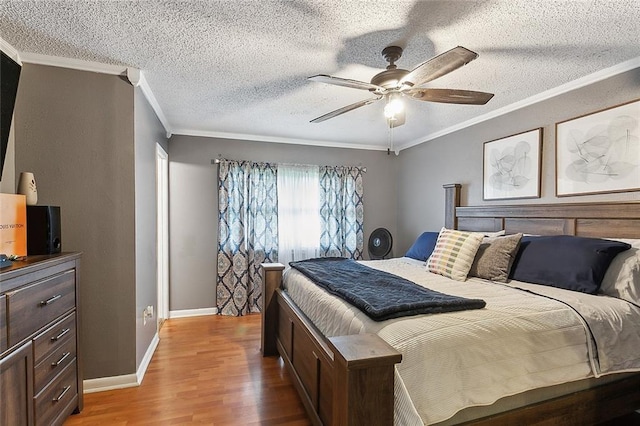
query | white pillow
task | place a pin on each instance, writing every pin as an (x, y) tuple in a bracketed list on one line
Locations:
[(622, 279), (494, 234)]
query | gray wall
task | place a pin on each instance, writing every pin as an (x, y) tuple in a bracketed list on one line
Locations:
[(148, 132), (75, 131), (457, 157), (193, 206)]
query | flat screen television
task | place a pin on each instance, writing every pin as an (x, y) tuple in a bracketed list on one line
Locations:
[(9, 77)]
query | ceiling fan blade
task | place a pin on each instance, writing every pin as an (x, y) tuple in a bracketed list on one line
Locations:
[(345, 82), (343, 110), (450, 96), (438, 66)]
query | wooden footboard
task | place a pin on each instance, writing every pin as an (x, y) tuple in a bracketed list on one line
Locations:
[(343, 380)]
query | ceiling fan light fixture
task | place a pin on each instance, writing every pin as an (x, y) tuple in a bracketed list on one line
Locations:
[(393, 107)]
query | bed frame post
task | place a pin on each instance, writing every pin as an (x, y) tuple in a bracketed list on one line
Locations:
[(363, 380), (451, 201), (271, 280)]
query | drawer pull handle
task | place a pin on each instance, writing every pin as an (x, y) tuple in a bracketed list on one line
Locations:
[(64, 392), (59, 336), (61, 360), (50, 300)]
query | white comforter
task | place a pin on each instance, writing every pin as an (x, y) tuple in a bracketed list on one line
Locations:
[(519, 341)]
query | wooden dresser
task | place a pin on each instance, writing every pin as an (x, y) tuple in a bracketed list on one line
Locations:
[(40, 368)]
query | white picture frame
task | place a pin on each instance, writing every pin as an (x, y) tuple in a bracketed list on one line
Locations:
[(512, 166), (599, 152)]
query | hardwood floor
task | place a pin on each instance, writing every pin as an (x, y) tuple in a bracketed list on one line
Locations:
[(209, 370), (206, 370)]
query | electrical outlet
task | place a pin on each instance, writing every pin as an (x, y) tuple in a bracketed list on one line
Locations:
[(147, 314)]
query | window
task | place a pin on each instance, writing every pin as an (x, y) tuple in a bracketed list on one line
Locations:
[(298, 212), (280, 213)]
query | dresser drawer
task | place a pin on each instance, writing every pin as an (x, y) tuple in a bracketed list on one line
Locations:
[(64, 354), (3, 324), (32, 307), (55, 398), (53, 337)]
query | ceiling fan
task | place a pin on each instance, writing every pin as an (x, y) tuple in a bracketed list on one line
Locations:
[(394, 83)]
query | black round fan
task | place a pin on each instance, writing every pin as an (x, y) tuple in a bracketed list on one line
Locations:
[(380, 243)]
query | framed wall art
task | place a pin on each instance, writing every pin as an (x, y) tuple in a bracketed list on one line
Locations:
[(511, 166), (599, 152)]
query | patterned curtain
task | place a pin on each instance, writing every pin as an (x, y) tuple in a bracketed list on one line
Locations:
[(247, 233), (341, 212)]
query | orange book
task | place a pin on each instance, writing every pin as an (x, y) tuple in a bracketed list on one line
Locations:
[(13, 224)]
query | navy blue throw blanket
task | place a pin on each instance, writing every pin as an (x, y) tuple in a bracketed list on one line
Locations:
[(379, 294)]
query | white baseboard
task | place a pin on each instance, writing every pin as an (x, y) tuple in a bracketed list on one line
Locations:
[(126, 380), (109, 383), (193, 312), (146, 359)]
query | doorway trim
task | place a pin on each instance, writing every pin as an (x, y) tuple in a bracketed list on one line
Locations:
[(162, 239)]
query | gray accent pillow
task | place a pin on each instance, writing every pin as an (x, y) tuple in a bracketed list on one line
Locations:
[(495, 257)]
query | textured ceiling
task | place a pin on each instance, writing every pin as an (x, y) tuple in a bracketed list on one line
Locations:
[(239, 68)]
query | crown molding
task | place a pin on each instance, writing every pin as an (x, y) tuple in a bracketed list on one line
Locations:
[(548, 94), (76, 64), (151, 98), (134, 75), (10, 51), (275, 139)]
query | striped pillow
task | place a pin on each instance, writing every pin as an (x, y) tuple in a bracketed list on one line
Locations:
[(454, 253)]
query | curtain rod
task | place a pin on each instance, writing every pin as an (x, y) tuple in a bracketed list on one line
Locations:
[(219, 159)]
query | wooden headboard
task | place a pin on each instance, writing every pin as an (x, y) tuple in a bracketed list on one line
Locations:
[(613, 220)]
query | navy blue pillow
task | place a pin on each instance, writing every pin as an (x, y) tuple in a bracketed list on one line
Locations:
[(565, 261), (424, 245)]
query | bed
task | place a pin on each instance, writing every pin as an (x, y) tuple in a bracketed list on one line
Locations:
[(361, 373)]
